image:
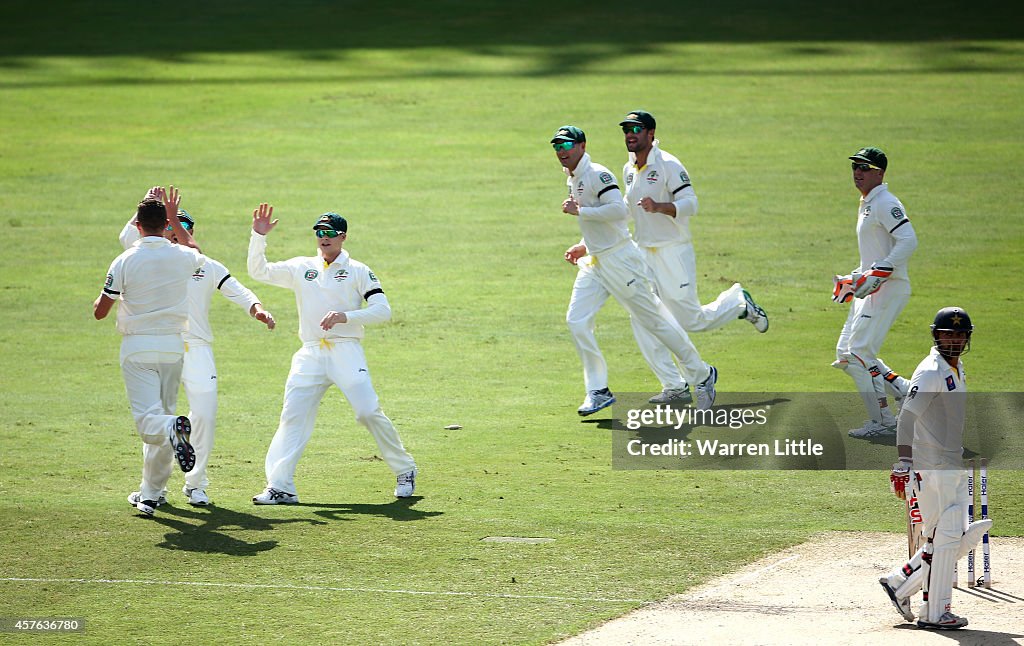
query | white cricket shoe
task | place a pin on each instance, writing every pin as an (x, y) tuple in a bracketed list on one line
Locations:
[(595, 401), (755, 314), (146, 507), (948, 621), (135, 497), (271, 496), (673, 396), (181, 429), (902, 605), (405, 484), (872, 428), (196, 497), (706, 390)]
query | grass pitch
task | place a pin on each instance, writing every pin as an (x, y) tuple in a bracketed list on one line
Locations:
[(429, 132)]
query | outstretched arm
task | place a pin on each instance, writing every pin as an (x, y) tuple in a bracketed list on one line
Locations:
[(274, 273)]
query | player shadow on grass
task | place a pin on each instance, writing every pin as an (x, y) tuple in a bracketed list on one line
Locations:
[(968, 635), (400, 510), (213, 533)]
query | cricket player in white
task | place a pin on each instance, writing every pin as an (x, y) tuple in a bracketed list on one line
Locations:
[(615, 267), (881, 286), (929, 440), (330, 289), (661, 201), (199, 372), (150, 280)]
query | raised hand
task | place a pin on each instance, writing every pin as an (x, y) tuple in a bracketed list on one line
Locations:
[(261, 222)]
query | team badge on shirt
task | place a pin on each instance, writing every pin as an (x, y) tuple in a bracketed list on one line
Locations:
[(341, 275), (579, 188), (897, 213), (629, 178), (110, 280), (684, 177), (199, 275), (652, 177), (311, 274), (373, 279), (950, 383), (606, 178)]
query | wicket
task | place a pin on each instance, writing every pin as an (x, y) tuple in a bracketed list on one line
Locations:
[(977, 482), (978, 473)]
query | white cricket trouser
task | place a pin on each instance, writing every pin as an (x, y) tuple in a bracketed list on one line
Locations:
[(314, 369), (861, 339), (199, 377), (942, 499), (151, 381), (674, 271), (623, 273), (588, 297)]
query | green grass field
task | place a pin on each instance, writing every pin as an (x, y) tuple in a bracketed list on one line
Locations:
[(428, 129)]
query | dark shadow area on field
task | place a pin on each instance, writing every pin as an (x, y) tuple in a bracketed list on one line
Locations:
[(994, 595), (212, 535), (605, 424), (400, 510), (968, 635), (884, 440), (169, 30)]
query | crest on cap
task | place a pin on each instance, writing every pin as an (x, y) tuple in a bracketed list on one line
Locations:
[(871, 155), (641, 118), (569, 133), (331, 221)]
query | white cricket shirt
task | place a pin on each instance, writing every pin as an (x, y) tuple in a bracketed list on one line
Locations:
[(602, 217), (884, 232), (937, 397), (663, 179), (213, 276), (341, 286), (151, 280)]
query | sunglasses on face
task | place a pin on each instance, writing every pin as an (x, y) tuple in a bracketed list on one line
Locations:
[(864, 167), (563, 145), (185, 225), (327, 233), (633, 130)]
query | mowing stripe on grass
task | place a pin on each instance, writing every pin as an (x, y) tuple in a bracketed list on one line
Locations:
[(317, 588)]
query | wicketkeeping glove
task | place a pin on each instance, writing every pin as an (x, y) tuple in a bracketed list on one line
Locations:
[(899, 479), (869, 282), (842, 289)]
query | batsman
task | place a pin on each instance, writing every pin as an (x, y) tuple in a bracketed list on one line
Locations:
[(929, 439)]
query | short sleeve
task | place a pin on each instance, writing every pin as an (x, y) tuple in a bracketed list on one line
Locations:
[(114, 283)]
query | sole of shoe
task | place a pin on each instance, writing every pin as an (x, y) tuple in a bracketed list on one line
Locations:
[(591, 411), (931, 626), (183, 451), (761, 322), (904, 612), (708, 386), (147, 509)]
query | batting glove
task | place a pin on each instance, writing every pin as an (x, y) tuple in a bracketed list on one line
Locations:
[(871, 281), (900, 478), (842, 289)]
